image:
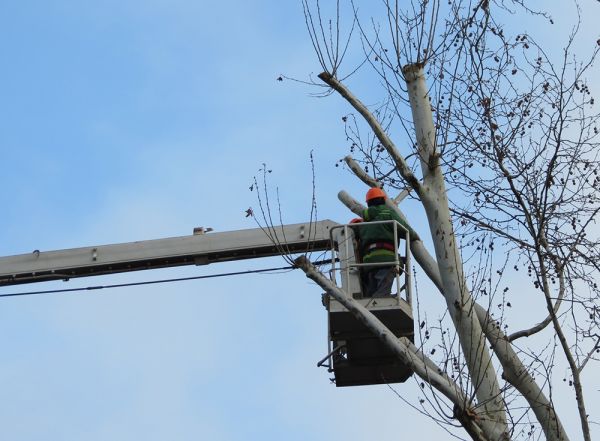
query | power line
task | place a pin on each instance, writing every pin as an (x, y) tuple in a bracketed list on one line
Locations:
[(147, 282), (153, 282)]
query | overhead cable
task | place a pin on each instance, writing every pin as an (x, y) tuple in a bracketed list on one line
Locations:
[(153, 282)]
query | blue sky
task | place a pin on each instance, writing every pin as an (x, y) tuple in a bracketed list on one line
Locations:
[(134, 120)]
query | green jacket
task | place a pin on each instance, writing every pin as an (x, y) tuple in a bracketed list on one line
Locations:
[(379, 233)]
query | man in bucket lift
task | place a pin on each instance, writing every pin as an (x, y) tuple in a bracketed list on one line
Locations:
[(376, 244)]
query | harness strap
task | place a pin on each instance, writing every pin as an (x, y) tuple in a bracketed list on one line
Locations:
[(381, 246)]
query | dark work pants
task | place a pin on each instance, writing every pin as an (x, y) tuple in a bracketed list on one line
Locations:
[(378, 281)]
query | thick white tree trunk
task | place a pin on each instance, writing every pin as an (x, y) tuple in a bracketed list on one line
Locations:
[(460, 303)]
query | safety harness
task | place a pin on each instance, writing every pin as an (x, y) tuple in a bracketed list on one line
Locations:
[(380, 246)]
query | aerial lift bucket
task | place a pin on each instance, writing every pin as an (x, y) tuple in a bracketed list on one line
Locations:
[(355, 355)]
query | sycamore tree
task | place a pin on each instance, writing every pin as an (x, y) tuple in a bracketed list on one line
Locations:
[(495, 134)]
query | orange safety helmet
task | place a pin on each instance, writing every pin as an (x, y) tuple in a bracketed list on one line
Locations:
[(375, 193)]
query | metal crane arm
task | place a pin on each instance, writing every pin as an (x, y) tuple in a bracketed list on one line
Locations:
[(198, 249)]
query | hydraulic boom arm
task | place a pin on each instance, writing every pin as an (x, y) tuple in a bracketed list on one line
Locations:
[(198, 249)]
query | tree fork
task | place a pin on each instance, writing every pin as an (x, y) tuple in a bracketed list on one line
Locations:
[(479, 426)]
